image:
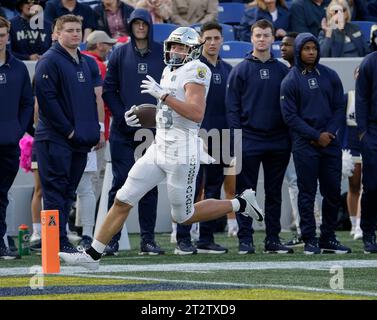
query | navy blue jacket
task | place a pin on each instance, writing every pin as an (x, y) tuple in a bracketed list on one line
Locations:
[(252, 102), (334, 46), (125, 71), (65, 93), (366, 93), (25, 41), (54, 9), (215, 114), (306, 16), (16, 101), (311, 102)]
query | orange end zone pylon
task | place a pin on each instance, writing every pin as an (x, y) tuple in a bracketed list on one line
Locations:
[(50, 241)]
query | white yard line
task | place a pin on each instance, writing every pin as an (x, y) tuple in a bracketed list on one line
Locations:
[(191, 267)]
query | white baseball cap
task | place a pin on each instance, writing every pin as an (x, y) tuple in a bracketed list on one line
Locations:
[(99, 37)]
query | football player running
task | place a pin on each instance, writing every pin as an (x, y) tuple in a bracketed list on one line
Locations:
[(175, 154)]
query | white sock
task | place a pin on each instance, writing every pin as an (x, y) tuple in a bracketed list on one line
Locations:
[(87, 231), (353, 221), (235, 205), (358, 223), (98, 246), (232, 223), (37, 228)]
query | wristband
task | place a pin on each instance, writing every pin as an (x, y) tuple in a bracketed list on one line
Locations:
[(102, 126), (164, 97)]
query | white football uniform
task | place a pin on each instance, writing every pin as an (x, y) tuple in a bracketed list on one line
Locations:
[(175, 155)]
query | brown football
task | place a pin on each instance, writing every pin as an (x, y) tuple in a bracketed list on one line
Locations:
[(146, 113)]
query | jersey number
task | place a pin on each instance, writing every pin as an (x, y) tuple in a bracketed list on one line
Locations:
[(164, 116)]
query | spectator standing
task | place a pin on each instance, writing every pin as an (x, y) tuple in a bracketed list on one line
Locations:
[(15, 116), (188, 12), (160, 10)]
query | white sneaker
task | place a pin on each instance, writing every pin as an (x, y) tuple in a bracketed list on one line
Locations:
[(358, 234), (35, 238), (352, 232), (173, 237), (232, 232), (252, 209), (79, 259)]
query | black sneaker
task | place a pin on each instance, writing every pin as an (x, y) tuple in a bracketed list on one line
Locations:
[(311, 247), (84, 243), (150, 248), (272, 246), (246, 248), (212, 247), (185, 248), (112, 248), (12, 245), (7, 254), (67, 247), (333, 246), (296, 241), (370, 245)]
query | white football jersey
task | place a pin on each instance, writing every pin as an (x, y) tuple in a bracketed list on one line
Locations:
[(172, 128)]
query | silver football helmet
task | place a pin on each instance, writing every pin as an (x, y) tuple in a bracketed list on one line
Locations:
[(186, 36)]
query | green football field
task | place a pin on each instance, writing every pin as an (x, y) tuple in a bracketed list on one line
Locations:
[(210, 277)]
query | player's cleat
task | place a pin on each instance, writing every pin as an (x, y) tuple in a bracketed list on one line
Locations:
[(81, 259), (213, 248), (66, 246), (296, 241), (276, 247), (7, 254), (358, 235), (112, 248), (370, 245), (150, 248), (333, 246), (312, 247), (252, 209), (185, 248), (84, 243), (246, 248)]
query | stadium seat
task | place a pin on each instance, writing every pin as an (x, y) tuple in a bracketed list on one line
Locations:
[(365, 27), (161, 31), (228, 31), (235, 49), (230, 12), (275, 49)]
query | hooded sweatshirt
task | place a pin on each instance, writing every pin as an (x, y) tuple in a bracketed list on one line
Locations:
[(126, 69), (65, 93), (311, 102), (17, 101), (252, 102)]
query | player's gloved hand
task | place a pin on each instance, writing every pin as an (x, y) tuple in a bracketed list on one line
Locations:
[(131, 119), (153, 88)]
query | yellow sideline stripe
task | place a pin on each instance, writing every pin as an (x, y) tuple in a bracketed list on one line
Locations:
[(242, 294), (50, 280)]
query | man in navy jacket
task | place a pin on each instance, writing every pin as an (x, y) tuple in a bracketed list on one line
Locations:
[(252, 102), (16, 112), (366, 115), (68, 120), (312, 104), (28, 43), (127, 67)]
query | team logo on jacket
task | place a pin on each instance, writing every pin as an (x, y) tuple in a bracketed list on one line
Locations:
[(142, 68), (80, 76), (217, 78), (313, 84), (264, 74), (3, 78), (201, 73)]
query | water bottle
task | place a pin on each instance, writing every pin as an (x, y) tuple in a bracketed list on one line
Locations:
[(23, 240)]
